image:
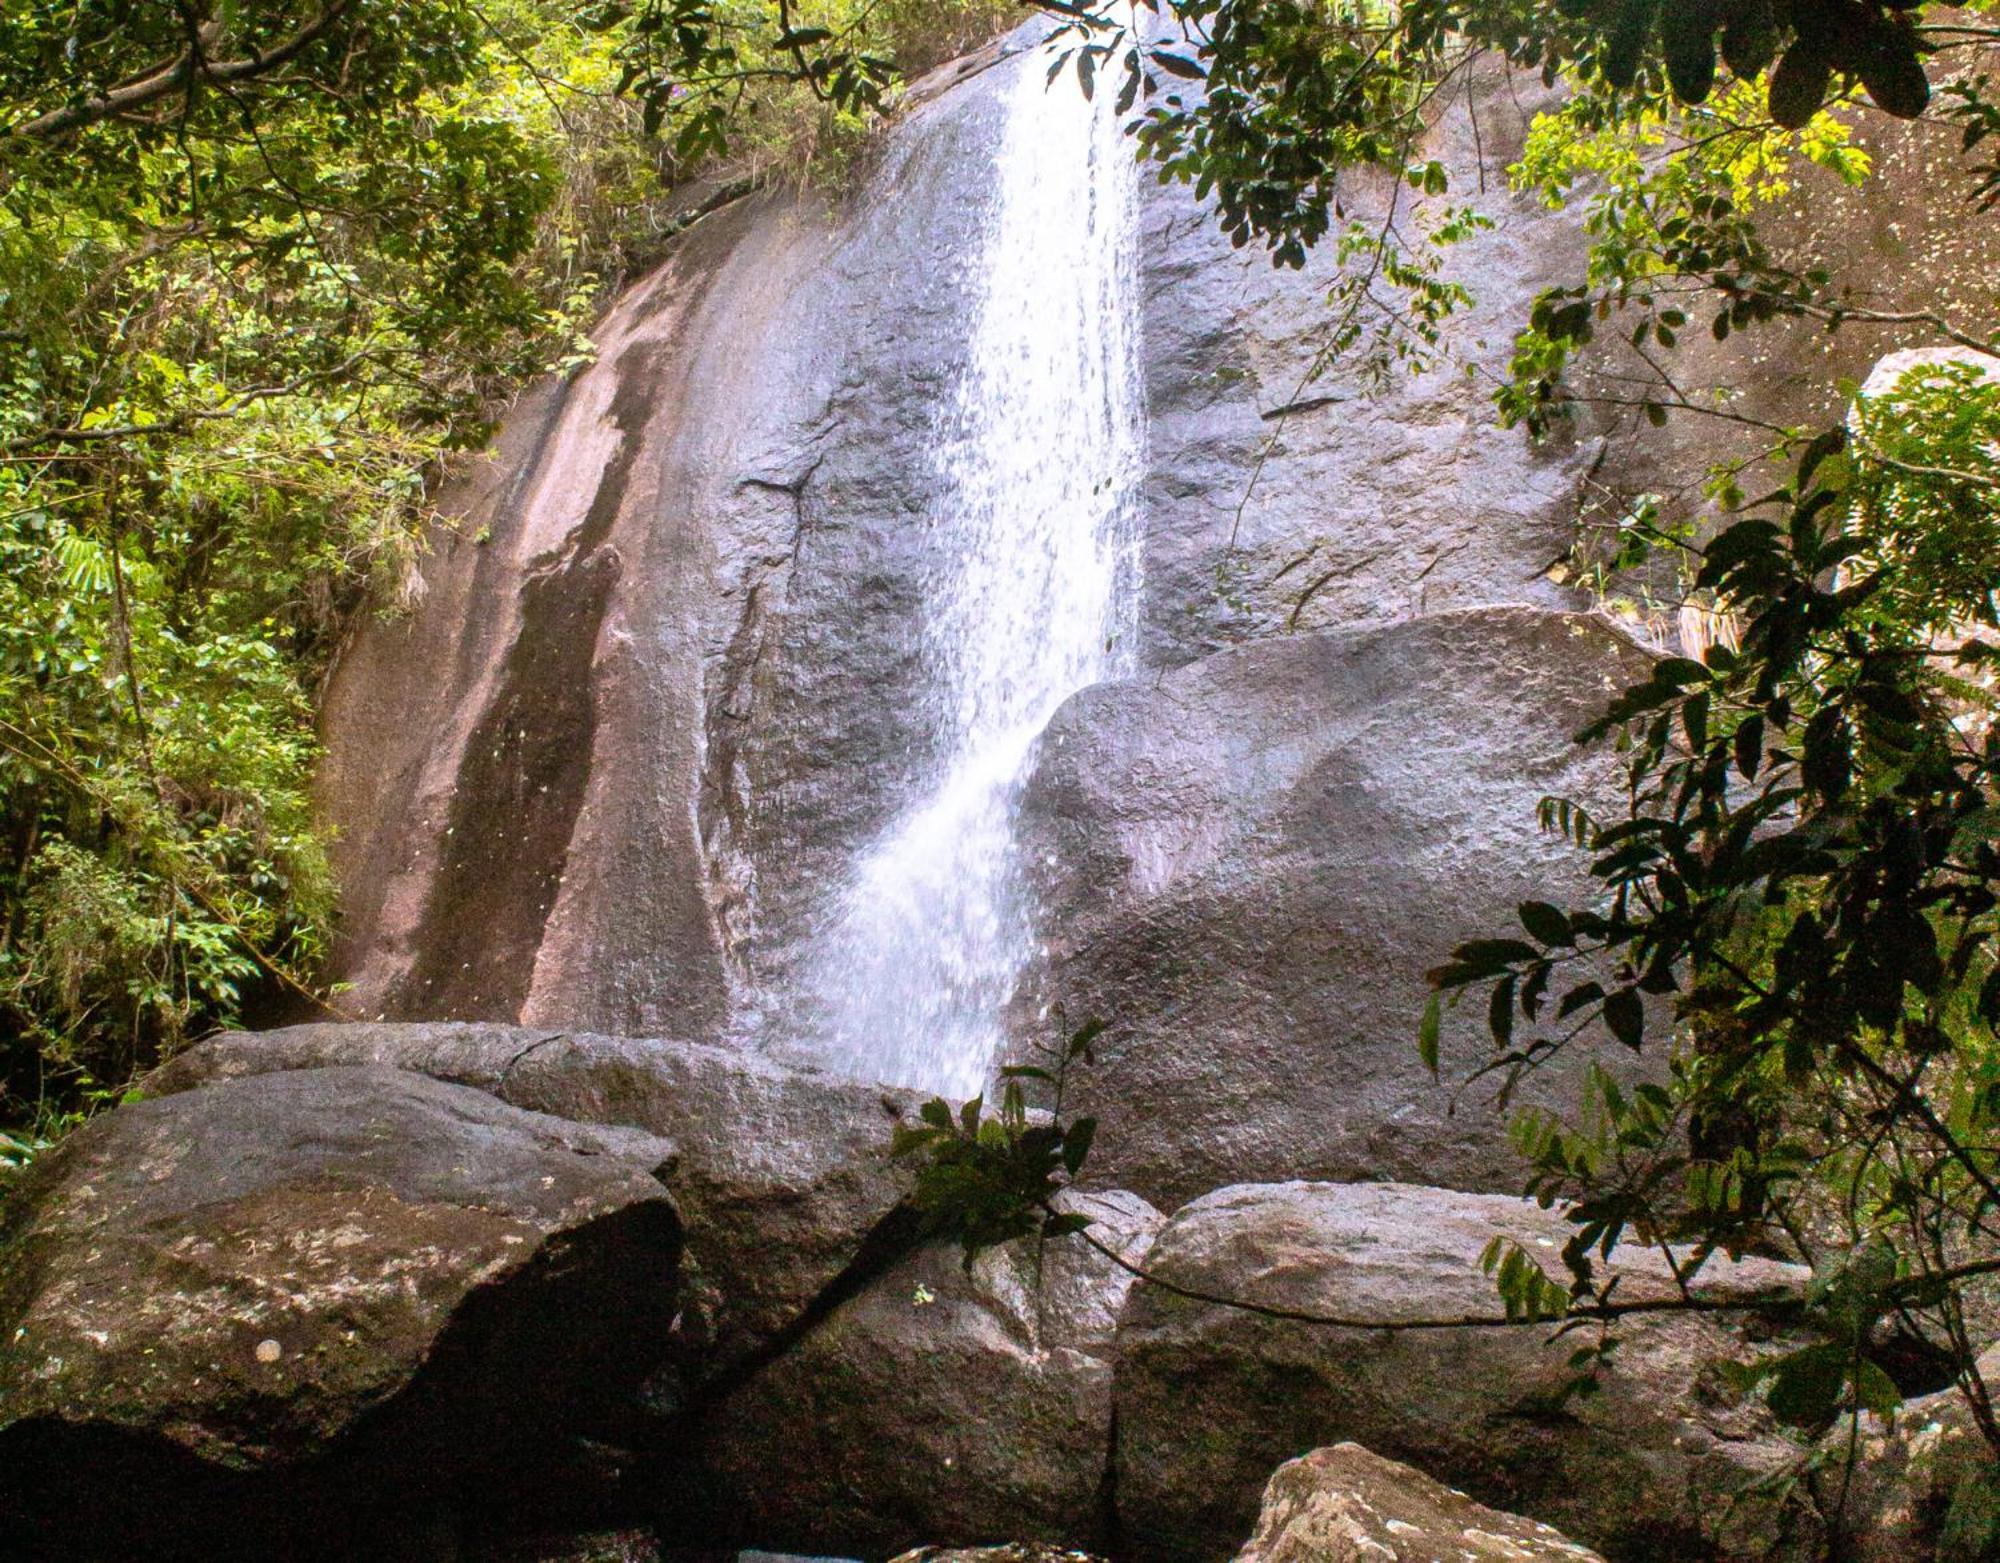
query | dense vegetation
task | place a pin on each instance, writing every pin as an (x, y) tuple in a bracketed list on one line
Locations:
[(263, 269)]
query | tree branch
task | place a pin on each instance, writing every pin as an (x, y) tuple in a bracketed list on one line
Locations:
[(185, 70)]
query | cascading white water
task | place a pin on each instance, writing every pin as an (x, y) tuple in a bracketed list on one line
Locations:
[(1036, 542)]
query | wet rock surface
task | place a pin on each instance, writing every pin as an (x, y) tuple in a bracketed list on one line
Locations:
[(1247, 866), (609, 771), (662, 681), (1657, 1465), (991, 1389), (1345, 1505), (258, 1296)]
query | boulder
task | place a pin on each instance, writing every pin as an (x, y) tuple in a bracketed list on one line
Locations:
[(1010, 1553), (1920, 1484), (1248, 865), (1345, 1505), (780, 1174), (357, 1269), (1656, 1465), (941, 1404)]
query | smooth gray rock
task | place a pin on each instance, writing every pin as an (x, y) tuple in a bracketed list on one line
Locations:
[(343, 1269), (1247, 866), (1211, 1399), (779, 1174), (1345, 1505), (1382, 493), (941, 1405), (663, 677), (1009, 1553)]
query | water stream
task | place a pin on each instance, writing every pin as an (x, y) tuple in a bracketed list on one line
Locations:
[(1035, 539)]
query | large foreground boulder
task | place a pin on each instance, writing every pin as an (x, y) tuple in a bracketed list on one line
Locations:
[(1345, 1505), (258, 1299), (943, 1404), (780, 1175), (1657, 1465), (1249, 864), (1009, 1553)]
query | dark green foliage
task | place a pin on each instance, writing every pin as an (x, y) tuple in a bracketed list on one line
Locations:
[(1808, 875), (259, 270), (984, 1180)]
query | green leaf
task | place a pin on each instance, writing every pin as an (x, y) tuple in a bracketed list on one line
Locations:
[(1083, 1036), (1891, 71), (1749, 37), (1808, 1386), (1876, 1391), (1494, 954), (1579, 997), (1500, 1012), (1078, 1137), (1427, 1033), (1827, 763), (1627, 42), (1549, 924), (1176, 65), (1748, 743), (1625, 1015), (1687, 38), (1798, 85)]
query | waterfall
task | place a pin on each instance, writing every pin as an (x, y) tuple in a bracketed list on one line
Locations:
[(1035, 542)]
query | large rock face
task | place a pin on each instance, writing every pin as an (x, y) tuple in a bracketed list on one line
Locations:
[(942, 1403), (353, 1268), (614, 766), (663, 681), (1653, 1467), (1286, 492), (780, 1176), (1248, 864)]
